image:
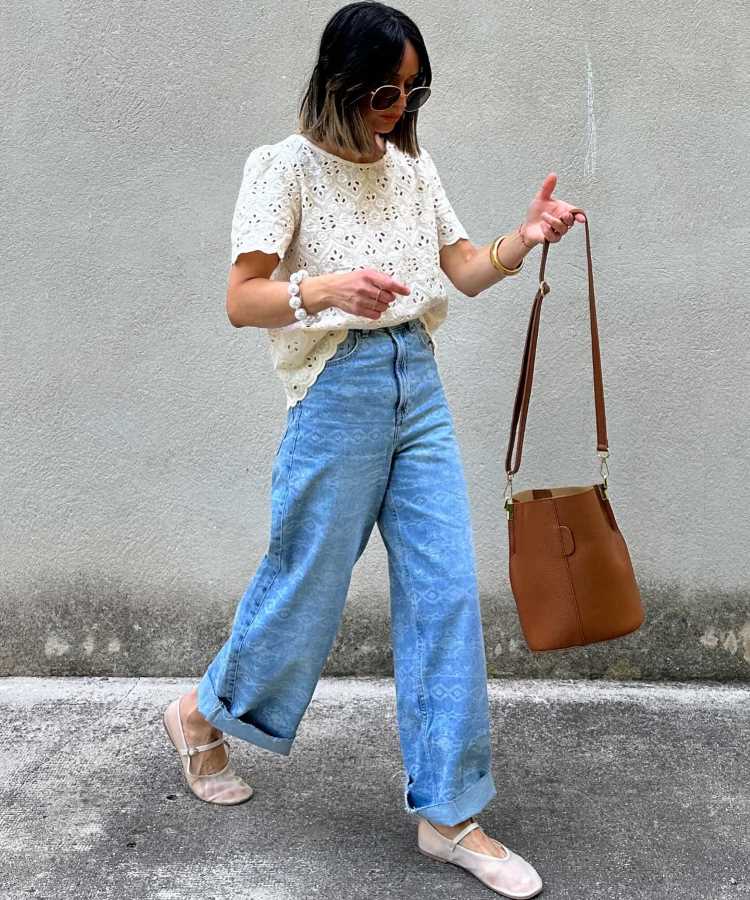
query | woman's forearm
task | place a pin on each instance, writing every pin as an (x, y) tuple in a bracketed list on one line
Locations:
[(263, 303), (479, 273)]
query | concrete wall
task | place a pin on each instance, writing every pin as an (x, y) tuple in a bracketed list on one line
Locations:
[(138, 426)]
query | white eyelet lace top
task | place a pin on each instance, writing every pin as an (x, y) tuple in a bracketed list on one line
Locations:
[(325, 214)]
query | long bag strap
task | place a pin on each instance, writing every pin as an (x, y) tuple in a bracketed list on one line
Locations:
[(523, 391)]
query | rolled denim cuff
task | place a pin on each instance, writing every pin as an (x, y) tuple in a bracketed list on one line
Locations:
[(468, 803), (211, 707)]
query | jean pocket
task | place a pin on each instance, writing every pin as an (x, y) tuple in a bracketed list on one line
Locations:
[(424, 334), (346, 348)]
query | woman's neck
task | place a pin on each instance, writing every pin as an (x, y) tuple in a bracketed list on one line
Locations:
[(377, 140)]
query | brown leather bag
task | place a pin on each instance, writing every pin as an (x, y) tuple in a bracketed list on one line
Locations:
[(570, 569)]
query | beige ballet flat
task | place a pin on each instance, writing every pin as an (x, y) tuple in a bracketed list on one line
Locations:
[(223, 787), (508, 875)]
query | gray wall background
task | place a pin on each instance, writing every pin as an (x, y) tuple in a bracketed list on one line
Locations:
[(138, 426)]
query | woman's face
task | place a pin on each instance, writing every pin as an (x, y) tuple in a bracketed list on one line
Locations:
[(383, 120)]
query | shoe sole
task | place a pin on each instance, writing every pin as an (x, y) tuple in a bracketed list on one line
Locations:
[(468, 872), (192, 792)]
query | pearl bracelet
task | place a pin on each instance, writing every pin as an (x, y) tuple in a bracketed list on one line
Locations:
[(295, 299)]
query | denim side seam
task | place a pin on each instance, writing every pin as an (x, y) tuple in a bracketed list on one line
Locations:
[(277, 562), (300, 409), (425, 336), (422, 698), (421, 692)]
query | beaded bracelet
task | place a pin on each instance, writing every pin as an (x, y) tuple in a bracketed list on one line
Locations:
[(295, 299)]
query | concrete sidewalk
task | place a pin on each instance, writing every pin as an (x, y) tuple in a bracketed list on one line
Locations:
[(622, 790)]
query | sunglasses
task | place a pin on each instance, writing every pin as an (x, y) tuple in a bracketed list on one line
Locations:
[(388, 94)]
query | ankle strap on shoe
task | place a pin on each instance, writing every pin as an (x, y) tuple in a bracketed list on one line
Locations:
[(462, 833), (191, 751)]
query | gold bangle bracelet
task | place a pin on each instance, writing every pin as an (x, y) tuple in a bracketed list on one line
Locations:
[(495, 260)]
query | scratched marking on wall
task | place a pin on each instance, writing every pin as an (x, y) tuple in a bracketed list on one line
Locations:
[(589, 162), (56, 646), (730, 640)]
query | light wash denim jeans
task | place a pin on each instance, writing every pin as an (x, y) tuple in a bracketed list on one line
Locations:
[(372, 441)]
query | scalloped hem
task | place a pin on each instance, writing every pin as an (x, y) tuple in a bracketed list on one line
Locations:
[(431, 317), (339, 335)]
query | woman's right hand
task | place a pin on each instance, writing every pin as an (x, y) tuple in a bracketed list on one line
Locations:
[(357, 292)]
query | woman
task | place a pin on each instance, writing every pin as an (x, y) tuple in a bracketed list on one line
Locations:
[(338, 237)]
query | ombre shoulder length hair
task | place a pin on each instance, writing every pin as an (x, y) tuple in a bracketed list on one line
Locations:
[(361, 45)]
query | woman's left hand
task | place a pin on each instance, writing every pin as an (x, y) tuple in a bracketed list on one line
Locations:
[(547, 218)]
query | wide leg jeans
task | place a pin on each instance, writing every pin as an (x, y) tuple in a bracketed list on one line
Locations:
[(372, 441)]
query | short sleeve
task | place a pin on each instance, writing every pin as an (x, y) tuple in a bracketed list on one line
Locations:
[(267, 210), (449, 227)]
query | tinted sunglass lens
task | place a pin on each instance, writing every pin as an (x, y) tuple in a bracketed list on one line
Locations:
[(417, 98), (385, 97)]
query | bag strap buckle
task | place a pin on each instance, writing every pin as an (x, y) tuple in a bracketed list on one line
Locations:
[(508, 494), (604, 469)]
